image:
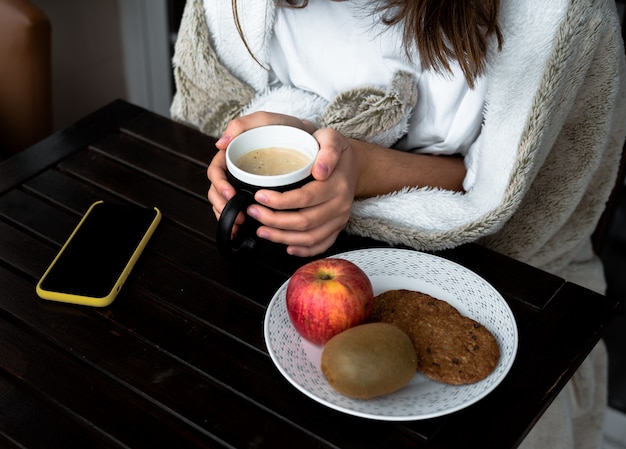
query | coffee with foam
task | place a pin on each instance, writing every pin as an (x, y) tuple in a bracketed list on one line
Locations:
[(272, 161)]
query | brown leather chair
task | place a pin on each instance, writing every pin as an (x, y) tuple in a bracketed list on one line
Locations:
[(25, 76)]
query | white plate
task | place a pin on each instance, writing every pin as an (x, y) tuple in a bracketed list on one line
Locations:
[(299, 360)]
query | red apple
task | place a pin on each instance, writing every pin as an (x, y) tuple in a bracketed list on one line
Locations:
[(328, 296)]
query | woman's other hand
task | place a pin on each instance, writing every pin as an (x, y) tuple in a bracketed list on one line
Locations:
[(309, 219)]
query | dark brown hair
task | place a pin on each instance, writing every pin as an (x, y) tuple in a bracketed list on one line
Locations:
[(442, 30), (445, 30)]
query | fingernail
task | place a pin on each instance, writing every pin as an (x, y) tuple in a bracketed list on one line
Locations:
[(253, 212), (223, 141), (228, 194), (263, 234), (321, 171), (261, 197)]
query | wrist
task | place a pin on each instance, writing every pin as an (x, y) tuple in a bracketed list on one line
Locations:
[(362, 178)]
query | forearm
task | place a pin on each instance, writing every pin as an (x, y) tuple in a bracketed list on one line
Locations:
[(383, 170)]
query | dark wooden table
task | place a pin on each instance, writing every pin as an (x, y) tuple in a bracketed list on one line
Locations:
[(179, 359)]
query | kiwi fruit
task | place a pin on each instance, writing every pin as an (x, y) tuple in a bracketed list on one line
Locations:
[(369, 360)]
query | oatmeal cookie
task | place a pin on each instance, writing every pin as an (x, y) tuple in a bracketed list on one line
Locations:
[(451, 348)]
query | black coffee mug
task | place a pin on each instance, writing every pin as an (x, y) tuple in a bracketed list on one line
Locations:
[(246, 184)]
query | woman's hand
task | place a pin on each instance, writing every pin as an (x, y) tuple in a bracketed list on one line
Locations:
[(309, 219), (256, 119), (220, 190)]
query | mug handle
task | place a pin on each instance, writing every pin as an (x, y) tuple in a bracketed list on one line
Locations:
[(245, 235)]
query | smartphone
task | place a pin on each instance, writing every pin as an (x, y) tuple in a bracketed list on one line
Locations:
[(95, 261)]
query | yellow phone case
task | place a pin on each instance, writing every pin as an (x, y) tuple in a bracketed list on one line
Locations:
[(111, 295)]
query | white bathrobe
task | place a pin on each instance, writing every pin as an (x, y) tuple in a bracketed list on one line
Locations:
[(545, 161)]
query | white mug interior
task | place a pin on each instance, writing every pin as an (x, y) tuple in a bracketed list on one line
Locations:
[(271, 136)]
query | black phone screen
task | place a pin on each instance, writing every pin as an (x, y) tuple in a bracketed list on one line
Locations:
[(99, 250)]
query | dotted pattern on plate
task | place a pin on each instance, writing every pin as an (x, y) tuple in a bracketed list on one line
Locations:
[(423, 398)]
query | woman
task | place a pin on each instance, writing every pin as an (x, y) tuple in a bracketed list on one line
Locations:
[(511, 141), (372, 62)]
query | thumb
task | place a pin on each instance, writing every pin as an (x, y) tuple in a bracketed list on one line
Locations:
[(332, 144)]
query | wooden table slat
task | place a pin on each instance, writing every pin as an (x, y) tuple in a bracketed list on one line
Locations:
[(155, 162), (138, 188), (20, 428), (86, 398), (65, 142), (177, 138)]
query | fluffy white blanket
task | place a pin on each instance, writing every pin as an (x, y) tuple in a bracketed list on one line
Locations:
[(547, 156)]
